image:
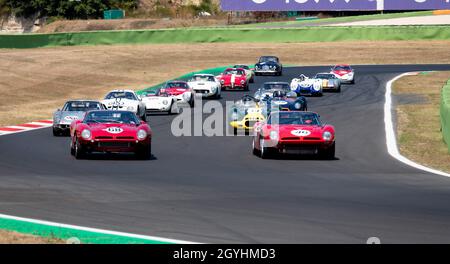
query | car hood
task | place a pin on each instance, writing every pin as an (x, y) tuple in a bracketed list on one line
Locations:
[(340, 73), (66, 117), (175, 91), (269, 63), (112, 129), (110, 102), (297, 130)]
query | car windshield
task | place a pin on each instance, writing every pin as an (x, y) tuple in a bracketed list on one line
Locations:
[(180, 85), (342, 68), (276, 86), (325, 76), (121, 95), (116, 117), (82, 106), (203, 78), (294, 118), (242, 67), (238, 72), (268, 59)]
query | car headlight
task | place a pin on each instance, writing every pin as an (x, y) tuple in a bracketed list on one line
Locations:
[(141, 134), (297, 105), (222, 81), (213, 89), (165, 102), (86, 134), (273, 135), (242, 82), (327, 136), (130, 108)]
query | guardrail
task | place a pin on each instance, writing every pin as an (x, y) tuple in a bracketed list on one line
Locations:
[(210, 35), (445, 113)]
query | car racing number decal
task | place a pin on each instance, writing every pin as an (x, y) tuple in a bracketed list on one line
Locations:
[(71, 118), (301, 133), (113, 130)]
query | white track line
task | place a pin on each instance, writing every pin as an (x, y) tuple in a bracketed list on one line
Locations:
[(391, 139), (96, 230)]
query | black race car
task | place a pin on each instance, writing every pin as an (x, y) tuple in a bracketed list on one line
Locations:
[(269, 65)]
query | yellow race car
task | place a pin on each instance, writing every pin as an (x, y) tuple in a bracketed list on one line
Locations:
[(246, 112)]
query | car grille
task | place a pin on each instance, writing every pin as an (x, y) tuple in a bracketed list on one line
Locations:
[(115, 144), (302, 150), (103, 137), (201, 91), (125, 137)]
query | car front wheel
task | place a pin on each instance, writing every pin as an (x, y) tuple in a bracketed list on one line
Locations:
[(79, 152)]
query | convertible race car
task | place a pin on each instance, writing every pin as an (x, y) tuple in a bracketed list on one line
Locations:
[(72, 110), (269, 88), (307, 86), (234, 79), (246, 112), (110, 131), (283, 101), (125, 100), (330, 82), (180, 91), (206, 85), (344, 72), (294, 132), (156, 101), (250, 73), (268, 65)]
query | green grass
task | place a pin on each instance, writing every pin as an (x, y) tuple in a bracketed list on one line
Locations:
[(340, 19)]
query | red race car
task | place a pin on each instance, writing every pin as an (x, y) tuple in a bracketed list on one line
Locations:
[(234, 79), (180, 91), (344, 72), (294, 132), (110, 131)]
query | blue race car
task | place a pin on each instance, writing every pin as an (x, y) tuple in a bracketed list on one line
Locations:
[(307, 86)]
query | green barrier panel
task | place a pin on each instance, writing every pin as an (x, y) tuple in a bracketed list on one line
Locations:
[(210, 35), (445, 114)]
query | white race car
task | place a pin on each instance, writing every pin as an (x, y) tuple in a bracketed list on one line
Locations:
[(155, 101), (126, 100), (307, 86), (344, 72), (206, 85)]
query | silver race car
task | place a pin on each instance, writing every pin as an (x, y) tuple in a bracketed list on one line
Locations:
[(269, 88), (72, 110)]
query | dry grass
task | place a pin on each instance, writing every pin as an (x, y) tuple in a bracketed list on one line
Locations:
[(7, 237), (35, 82), (418, 128), (127, 24)]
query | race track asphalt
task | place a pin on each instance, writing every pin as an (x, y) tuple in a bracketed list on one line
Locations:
[(213, 190)]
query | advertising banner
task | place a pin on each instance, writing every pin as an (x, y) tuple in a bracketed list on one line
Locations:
[(332, 5)]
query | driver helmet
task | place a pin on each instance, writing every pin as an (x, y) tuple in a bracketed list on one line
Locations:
[(278, 94), (291, 95)]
